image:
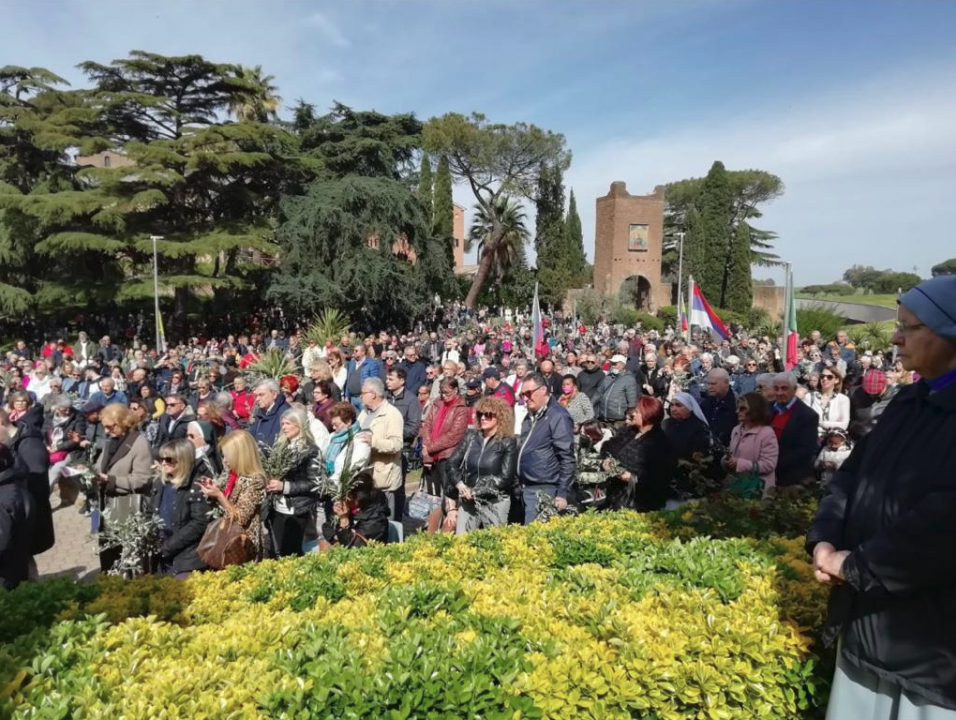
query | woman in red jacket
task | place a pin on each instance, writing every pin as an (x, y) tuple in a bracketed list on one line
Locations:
[(444, 426)]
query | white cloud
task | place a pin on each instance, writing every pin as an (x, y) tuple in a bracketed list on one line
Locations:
[(328, 28), (866, 170)]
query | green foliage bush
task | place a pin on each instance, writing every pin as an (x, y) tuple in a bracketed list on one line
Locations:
[(668, 315), (608, 617), (817, 317)]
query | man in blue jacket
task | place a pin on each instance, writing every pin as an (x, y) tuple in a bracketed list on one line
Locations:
[(270, 406), (546, 449), (360, 369)]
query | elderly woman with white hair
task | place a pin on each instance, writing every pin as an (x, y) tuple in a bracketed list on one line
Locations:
[(292, 497), (884, 535)]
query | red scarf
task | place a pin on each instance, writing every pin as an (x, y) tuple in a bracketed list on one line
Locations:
[(230, 483)]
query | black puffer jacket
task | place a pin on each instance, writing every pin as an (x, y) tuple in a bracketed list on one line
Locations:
[(34, 461), (487, 466), (892, 505)]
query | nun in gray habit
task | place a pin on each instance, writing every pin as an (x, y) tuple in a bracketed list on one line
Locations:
[(885, 536)]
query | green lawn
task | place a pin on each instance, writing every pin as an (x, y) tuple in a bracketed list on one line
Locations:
[(888, 301)]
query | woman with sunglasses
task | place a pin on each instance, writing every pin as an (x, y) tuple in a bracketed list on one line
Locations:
[(125, 470), (830, 404), (179, 500), (753, 443), (481, 472)]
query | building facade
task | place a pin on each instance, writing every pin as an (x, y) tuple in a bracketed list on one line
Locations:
[(628, 244)]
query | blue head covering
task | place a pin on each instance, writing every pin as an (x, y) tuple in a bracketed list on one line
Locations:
[(934, 303)]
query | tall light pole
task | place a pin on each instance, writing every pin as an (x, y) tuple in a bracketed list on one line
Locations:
[(159, 334), (680, 278)]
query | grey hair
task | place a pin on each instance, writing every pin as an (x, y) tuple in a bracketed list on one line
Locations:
[(707, 356), (224, 400), (765, 379), (62, 401), (538, 379), (375, 385), (269, 384), (719, 374), (787, 377)]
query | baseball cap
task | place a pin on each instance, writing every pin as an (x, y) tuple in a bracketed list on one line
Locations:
[(491, 372), (474, 384), (618, 359)]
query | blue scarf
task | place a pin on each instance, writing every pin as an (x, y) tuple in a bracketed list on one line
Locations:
[(337, 442)]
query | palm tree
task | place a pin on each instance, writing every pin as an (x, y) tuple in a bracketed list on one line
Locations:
[(255, 98), (506, 252)]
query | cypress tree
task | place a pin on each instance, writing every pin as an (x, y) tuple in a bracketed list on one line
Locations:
[(443, 209), (575, 239), (425, 188), (555, 262), (716, 218), (740, 294)]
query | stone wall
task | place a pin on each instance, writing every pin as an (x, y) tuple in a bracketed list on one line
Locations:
[(771, 298)]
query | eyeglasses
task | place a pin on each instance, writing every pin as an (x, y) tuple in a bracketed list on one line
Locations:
[(904, 328), (168, 460), (484, 415), (529, 393)]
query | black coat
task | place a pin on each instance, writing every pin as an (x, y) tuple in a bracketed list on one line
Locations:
[(490, 466), (590, 380), (653, 464), (799, 446), (33, 460), (164, 434), (687, 436), (721, 415), (191, 517), (892, 505), (15, 528), (369, 523)]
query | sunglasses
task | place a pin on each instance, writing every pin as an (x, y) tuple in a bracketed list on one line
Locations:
[(529, 393), (827, 377), (484, 415), (168, 460)]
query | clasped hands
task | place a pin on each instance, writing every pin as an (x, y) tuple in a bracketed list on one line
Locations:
[(828, 564)]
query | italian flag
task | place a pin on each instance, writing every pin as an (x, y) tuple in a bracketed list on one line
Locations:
[(791, 336)]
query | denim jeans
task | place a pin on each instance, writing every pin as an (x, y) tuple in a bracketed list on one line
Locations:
[(530, 495)]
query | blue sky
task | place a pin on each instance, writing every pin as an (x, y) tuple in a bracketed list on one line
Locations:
[(851, 102)]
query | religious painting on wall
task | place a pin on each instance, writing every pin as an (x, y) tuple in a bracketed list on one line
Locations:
[(637, 238)]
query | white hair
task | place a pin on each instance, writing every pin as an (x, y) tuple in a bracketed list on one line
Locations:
[(787, 377), (375, 385), (765, 379), (224, 400), (269, 384)]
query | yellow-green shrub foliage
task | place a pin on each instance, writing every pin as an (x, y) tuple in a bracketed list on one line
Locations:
[(600, 617)]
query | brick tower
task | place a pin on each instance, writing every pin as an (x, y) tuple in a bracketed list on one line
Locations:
[(628, 241)]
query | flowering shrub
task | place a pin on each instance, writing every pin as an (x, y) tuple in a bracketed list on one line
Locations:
[(595, 616)]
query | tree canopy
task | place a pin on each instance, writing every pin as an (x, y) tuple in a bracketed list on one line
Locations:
[(947, 267), (494, 159)]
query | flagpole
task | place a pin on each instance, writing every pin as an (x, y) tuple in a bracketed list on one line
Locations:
[(154, 238), (680, 278), (690, 294)]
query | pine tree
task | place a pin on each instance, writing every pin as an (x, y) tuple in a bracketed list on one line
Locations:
[(208, 188), (425, 188), (575, 239), (716, 218), (740, 294)]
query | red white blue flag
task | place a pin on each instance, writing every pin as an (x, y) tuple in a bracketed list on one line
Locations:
[(702, 315)]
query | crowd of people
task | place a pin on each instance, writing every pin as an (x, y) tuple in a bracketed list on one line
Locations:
[(501, 428)]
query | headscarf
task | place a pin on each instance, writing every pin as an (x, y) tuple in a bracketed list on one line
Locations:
[(934, 303), (688, 401)]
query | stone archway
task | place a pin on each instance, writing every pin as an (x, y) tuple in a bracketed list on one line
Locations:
[(636, 290)]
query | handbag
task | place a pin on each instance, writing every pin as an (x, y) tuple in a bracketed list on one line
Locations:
[(421, 504), (225, 543), (748, 486)]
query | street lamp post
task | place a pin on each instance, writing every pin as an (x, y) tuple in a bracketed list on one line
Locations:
[(680, 279), (159, 333)]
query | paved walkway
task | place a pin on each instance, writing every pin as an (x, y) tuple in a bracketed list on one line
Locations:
[(74, 554)]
